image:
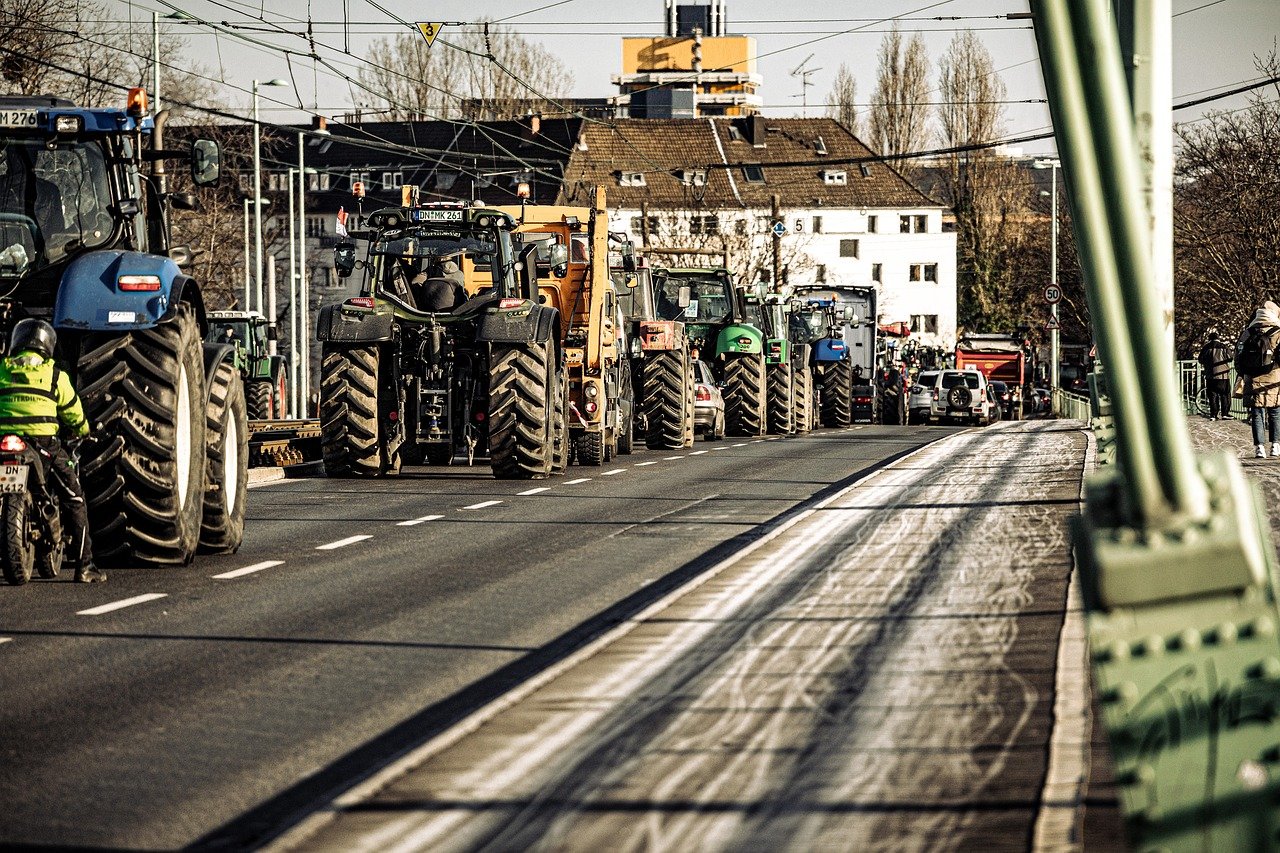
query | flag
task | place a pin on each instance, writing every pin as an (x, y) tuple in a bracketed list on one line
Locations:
[(342, 222)]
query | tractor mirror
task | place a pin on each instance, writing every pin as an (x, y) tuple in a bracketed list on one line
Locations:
[(685, 297), (180, 255), (183, 201), (206, 162), (558, 257), (344, 258)]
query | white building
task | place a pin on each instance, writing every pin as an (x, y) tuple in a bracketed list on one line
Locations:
[(712, 183)]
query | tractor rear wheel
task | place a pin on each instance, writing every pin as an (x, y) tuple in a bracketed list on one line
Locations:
[(349, 412), (560, 449), (521, 411), (781, 399), (690, 407), (665, 401), (227, 466), (745, 394), (144, 472), (837, 394), (802, 382), (258, 400)]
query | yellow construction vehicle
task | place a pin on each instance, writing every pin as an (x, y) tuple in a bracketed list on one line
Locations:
[(572, 256)]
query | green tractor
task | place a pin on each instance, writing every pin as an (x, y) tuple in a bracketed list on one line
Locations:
[(266, 376), (791, 397), (724, 332)]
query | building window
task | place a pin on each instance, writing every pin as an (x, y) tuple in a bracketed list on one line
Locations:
[(392, 180), (835, 177), (924, 323), (913, 224), (318, 183), (820, 273), (361, 177), (317, 226), (872, 222), (631, 179), (753, 173), (924, 272), (708, 224), (865, 169), (637, 225), (848, 248), (693, 177), (817, 225), (875, 272), (740, 227)]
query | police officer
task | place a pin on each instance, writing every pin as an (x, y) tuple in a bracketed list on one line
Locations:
[(36, 400)]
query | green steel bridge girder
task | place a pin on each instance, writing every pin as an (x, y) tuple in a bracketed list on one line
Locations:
[(1177, 567)]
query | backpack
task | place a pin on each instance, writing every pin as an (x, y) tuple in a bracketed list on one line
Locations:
[(1258, 354)]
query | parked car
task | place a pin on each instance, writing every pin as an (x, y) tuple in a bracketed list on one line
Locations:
[(1004, 397), (961, 395), (708, 403), (920, 397), (866, 404)]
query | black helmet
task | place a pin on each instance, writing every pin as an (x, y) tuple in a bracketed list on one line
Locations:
[(35, 335)]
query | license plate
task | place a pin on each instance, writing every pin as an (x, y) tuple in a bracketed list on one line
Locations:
[(13, 478), (18, 118), (451, 215)]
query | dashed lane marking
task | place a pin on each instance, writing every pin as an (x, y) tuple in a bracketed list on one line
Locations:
[(740, 444), (697, 453), (121, 604), (642, 464), (714, 449), (6, 639), (669, 458), (414, 521), (536, 491), (614, 471), (248, 570), (342, 543), (577, 481), (483, 504)]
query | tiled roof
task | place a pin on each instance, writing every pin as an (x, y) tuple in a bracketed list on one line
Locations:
[(665, 151)]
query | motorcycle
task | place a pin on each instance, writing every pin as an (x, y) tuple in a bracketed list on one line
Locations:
[(31, 533)]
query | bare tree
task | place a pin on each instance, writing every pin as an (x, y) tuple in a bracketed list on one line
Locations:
[(492, 70), (899, 120), (1227, 215), (736, 238), (990, 196), (842, 101)]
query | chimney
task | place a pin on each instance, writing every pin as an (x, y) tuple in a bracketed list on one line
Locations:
[(320, 123)]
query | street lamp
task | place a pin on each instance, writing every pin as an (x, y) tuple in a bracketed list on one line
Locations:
[(257, 190), (156, 17), (248, 278), (1054, 356), (304, 288)]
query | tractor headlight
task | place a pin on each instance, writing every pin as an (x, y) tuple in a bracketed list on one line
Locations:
[(68, 124)]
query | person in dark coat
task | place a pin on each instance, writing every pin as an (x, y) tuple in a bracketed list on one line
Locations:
[(1215, 359)]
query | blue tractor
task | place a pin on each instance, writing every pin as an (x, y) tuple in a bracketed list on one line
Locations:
[(85, 242)]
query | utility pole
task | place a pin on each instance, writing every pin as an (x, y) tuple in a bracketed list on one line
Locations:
[(776, 216)]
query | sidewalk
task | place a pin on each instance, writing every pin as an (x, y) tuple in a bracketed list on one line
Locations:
[(898, 668)]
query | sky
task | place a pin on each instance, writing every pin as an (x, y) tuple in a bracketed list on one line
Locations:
[(1214, 42)]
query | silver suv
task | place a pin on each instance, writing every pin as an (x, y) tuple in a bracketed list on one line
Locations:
[(958, 394)]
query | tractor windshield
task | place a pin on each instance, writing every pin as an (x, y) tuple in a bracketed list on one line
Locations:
[(404, 264), (810, 324), (53, 202), (709, 299)]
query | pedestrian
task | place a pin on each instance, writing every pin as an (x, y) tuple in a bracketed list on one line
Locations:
[(37, 401), (1256, 362), (1215, 359)]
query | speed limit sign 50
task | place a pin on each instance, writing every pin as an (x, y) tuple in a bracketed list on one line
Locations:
[(1053, 294)]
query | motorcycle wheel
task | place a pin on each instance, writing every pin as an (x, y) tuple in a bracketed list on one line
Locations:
[(17, 549)]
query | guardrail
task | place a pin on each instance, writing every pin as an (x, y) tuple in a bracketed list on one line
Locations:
[(1072, 406), (1195, 394)]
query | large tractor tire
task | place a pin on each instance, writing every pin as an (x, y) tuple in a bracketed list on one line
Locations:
[(227, 453), (802, 409), (837, 394), (258, 400), (781, 399), (349, 412), (521, 411), (745, 394), (690, 411), (144, 471), (560, 446), (280, 395), (665, 399)]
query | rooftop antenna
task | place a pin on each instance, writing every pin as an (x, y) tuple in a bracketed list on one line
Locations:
[(804, 74)]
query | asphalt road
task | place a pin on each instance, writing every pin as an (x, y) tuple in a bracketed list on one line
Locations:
[(359, 619)]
